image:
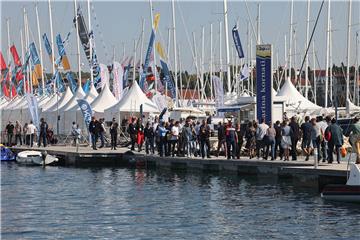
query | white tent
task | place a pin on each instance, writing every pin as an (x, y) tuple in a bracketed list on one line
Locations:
[(130, 103), (353, 107), (59, 101), (294, 101), (53, 99), (105, 100)]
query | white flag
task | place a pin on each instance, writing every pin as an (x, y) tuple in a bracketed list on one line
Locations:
[(244, 73), (118, 72)]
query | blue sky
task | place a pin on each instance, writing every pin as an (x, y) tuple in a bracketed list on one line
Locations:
[(119, 22)]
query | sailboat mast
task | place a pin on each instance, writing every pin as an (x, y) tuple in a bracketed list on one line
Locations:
[(52, 43), (202, 62), (134, 61), (258, 37), (348, 60), (291, 37), (327, 54), (8, 51), (78, 45), (227, 46), (22, 55), (181, 96), (220, 55), (330, 64), (175, 55), (90, 41), (40, 48), (142, 40), (307, 56), (314, 72)]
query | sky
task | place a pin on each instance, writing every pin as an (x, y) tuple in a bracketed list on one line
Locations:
[(117, 24)]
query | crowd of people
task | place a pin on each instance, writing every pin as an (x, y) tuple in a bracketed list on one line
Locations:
[(318, 136)]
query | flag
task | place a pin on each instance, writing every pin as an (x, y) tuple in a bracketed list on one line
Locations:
[(33, 108), (86, 111), (35, 60), (156, 21), (105, 76), (2, 63), (126, 74), (15, 55), (236, 37), (86, 86), (48, 47), (167, 78), (147, 59), (219, 91), (62, 53), (72, 82), (160, 50), (118, 73), (244, 73)]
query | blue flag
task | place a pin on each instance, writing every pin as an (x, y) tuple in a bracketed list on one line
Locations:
[(236, 37), (34, 55), (167, 78), (86, 111), (86, 86), (147, 60), (47, 44), (59, 81), (72, 82)]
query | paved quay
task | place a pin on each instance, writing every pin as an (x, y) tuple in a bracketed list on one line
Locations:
[(302, 171)]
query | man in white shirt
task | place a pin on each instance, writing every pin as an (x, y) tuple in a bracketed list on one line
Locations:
[(174, 138), (323, 144), (31, 130), (260, 134)]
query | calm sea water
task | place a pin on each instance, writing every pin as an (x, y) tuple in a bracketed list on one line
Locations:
[(86, 203)]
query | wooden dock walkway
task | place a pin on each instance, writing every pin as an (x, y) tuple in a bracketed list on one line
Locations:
[(300, 170)]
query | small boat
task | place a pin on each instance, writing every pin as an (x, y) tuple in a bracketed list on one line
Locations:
[(35, 158), (349, 192), (6, 154)]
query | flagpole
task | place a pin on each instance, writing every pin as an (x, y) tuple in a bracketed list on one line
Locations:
[(90, 42), (227, 46), (196, 66), (291, 36), (134, 61), (327, 56), (142, 41), (78, 46), (154, 52), (52, 44), (168, 45), (220, 55), (180, 75), (202, 63), (307, 56), (26, 46), (8, 53), (28, 43), (348, 60), (211, 61), (314, 72), (175, 55), (22, 55), (258, 37), (40, 48)]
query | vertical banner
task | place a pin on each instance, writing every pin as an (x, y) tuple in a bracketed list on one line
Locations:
[(105, 76), (36, 61), (238, 46), (48, 47), (118, 73), (62, 53), (264, 82), (33, 108), (86, 111), (219, 91), (168, 80), (71, 81), (86, 86)]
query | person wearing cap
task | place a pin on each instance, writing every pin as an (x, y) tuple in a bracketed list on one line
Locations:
[(113, 133)]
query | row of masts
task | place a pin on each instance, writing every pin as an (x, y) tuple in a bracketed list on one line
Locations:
[(200, 70)]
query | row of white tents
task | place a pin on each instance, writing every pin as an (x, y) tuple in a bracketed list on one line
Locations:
[(65, 106), (105, 105)]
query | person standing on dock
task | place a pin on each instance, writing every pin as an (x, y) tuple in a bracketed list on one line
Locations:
[(31, 130), (43, 132), (286, 141), (260, 135), (306, 129), (10, 133), (18, 133), (336, 140), (323, 143), (270, 141), (100, 126), (174, 140), (113, 133), (316, 138), (25, 135), (93, 132), (295, 137), (221, 139), (240, 139), (355, 138), (204, 135), (278, 137), (162, 131), (231, 140), (139, 134), (132, 132), (149, 138)]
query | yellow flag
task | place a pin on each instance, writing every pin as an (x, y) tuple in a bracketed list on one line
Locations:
[(160, 50), (35, 81), (156, 21)]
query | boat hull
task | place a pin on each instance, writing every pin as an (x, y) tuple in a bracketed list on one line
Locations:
[(29, 158), (343, 193)]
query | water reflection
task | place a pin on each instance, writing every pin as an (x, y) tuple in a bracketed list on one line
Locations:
[(116, 203)]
